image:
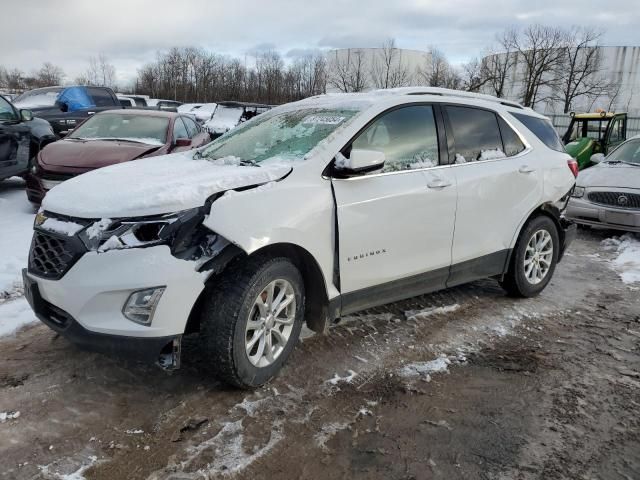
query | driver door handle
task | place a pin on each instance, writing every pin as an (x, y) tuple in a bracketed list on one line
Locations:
[(526, 169), (438, 183)]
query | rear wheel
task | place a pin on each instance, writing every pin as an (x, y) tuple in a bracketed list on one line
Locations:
[(534, 258), (252, 319)]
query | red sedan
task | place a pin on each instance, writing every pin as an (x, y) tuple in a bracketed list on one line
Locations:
[(111, 137)]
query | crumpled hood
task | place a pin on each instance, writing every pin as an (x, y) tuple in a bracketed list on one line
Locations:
[(92, 153), (610, 175), (152, 186)]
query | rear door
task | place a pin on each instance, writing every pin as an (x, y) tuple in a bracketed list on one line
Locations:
[(14, 141), (395, 226), (499, 184)]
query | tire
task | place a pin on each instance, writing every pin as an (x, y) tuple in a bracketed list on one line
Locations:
[(231, 301), (525, 281)]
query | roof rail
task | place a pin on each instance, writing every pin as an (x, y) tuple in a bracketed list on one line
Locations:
[(454, 93)]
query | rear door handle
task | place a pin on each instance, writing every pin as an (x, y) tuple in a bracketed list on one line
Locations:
[(526, 169), (438, 184), (90, 113)]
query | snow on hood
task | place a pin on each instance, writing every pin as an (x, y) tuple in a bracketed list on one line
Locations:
[(610, 175), (153, 186)]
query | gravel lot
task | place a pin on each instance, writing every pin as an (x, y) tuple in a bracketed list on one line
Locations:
[(465, 383)]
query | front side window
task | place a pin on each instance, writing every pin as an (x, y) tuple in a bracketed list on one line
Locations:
[(407, 136), (116, 126), (101, 97), (476, 134), (279, 136), (617, 131), (179, 130), (192, 128), (6, 111), (541, 128)]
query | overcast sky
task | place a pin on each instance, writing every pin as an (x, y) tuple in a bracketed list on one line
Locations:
[(68, 32)]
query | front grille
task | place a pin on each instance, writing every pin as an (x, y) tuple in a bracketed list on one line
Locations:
[(51, 256), (616, 199)]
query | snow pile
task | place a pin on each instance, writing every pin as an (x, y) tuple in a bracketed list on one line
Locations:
[(224, 119), (327, 432), (58, 226), (4, 416), (428, 312), (336, 379), (16, 225), (426, 163), (230, 160), (415, 369), (95, 230), (492, 154), (627, 263), (14, 315), (460, 159)]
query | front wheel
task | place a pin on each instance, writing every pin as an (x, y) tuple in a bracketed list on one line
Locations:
[(534, 258), (252, 319)]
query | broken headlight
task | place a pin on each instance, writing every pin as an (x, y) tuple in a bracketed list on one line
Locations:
[(108, 234)]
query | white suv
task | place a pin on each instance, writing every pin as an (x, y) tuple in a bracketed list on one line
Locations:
[(306, 213)]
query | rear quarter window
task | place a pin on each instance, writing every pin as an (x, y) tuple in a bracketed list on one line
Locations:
[(542, 129)]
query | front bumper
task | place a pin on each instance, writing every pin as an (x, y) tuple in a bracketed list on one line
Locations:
[(584, 212), (131, 348), (93, 291)]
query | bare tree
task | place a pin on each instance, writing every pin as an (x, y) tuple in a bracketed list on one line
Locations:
[(14, 79), (347, 70), (500, 63), (100, 72), (438, 72), (49, 75), (581, 65), (540, 49), (474, 76), (387, 69)]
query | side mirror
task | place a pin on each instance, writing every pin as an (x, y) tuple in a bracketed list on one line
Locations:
[(360, 161), (597, 157), (183, 142), (62, 106), (26, 115)]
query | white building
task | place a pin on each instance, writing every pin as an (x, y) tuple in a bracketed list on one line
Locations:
[(367, 68), (619, 65)]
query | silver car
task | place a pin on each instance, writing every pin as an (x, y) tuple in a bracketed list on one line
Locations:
[(608, 194)]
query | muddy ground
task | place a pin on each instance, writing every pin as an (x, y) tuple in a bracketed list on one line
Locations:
[(540, 388)]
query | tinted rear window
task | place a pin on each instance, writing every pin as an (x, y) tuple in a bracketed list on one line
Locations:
[(542, 129), (475, 132)]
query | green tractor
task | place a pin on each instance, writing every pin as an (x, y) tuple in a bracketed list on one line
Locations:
[(591, 133)]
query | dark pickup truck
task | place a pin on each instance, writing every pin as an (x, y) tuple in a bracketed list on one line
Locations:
[(66, 107)]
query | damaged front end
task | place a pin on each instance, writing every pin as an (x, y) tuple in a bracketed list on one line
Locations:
[(192, 246)]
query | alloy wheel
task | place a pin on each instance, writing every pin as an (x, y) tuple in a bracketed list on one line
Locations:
[(270, 323), (538, 256)]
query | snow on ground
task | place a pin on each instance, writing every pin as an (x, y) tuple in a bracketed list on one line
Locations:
[(16, 222), (439, 365), (627, 263), (15, 314)]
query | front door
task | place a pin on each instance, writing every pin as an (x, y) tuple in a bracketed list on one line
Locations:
[(14, 142), (395, 226)]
